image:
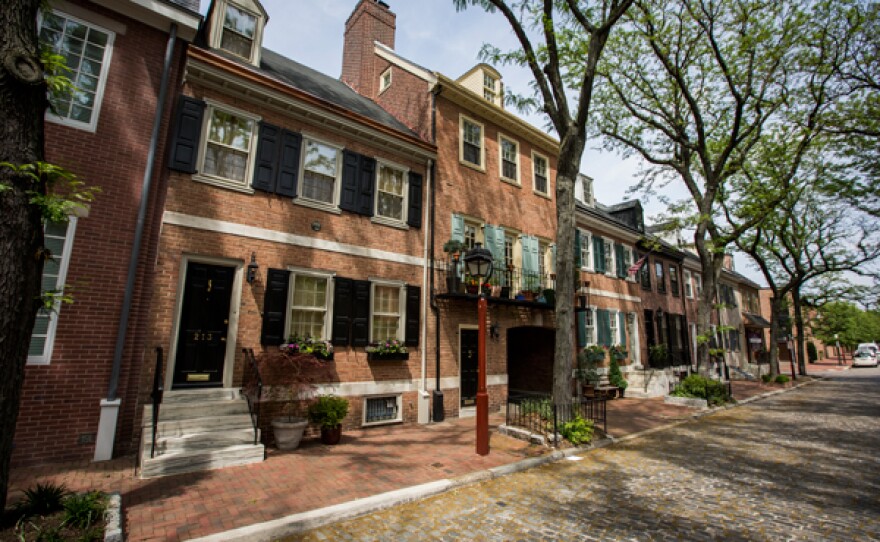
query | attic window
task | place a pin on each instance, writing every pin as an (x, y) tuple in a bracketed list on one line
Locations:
[(489, 85), (587, 185), (385, 80), (239, 30)]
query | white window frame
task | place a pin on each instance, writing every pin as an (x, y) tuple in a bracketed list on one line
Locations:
[(698, 285), (401, 222), (610, 258), (387, 75), (401, 322), (535, 157), (629, 260), (587, 191), (245, 184), (677, 291), (590, 331), (489, 91), (395, 396), (337, 183), (482, 165), (46, 357), (328, 301), (587, 245), (217, 29), (688, 287), (614, 326), (92, 125), (512, 180)]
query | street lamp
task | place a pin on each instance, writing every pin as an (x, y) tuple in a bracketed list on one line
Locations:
[(478, 262), (837, 340)]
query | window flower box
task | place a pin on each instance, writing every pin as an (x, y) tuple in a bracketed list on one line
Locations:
[(387, 350), (392, 356)]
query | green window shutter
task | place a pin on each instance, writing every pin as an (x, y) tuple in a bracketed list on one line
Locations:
[(494, 236), (577, 248), (530, 262), (622, 327), (598, 254), (618, 259), (457, 233), (603, 327), (581, 329), (553, 259)]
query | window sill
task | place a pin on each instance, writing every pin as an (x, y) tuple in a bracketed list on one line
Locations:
[(390, 222), (540, 194), (321, 206), (383, 422), (475, 167), (228, 185), (511, 182)]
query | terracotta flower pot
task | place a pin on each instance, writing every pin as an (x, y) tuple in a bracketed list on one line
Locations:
[(331, 435)]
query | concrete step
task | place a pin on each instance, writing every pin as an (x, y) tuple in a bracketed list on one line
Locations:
[(206, 424), (201, 409), (207, 394), (204, 441), (200, 460)]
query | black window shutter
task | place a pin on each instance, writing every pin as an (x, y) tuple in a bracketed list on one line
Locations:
[(360, 322), (184, 146), (414, 211), (366, 185), (649, 327), (275, 307), (288, 164), (267, 158), (343, 298), (413, 312), (348, 200), (618, 257)]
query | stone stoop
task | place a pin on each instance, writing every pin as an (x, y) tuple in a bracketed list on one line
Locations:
[(199, 430)]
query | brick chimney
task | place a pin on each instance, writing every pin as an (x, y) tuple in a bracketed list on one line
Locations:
[(371, 21)]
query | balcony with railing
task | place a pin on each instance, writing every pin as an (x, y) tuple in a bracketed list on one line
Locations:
[(512, 285)]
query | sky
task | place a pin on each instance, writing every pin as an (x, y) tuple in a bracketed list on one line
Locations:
[(433, 34)]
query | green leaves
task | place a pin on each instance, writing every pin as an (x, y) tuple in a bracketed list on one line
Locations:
[(56, 191)]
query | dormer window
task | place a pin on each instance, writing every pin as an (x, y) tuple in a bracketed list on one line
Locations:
[(489, 84), (237, 28), (584, 190), (385, 80)]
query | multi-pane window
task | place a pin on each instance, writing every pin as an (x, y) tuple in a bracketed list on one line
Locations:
[(86, 51), (58, 241), (540, 165), (471, 142), (308, 310), (658, 272), (386, 312), (590, 325), (698, 284), (673, 280), (615, 333), (489, 87), (239, 30), (645, 275), (543, 248), (320, 172), (382, 409), (228, 146), (470, 234), (688, 288), (509, 159), (609, 257), (628, 262), (390, 193), (586, 249), (385, 80)]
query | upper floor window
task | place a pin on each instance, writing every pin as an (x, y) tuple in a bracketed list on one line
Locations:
[(471, 234), (385, 80), (658, 273), (688, 288), (586, 244), (471, 151), (645, 275), (320, 171), (590, 325), (628, 258), (59, 242), (239, 31), (227, 156), (509, 244), (613, 319), (385, 316), (673, 281), (86, 49), (609, 257), (698, 284), (489, 87), (583, 190), (391, 193), (509, 159), (543, 255), (308, 307), (539, 164)]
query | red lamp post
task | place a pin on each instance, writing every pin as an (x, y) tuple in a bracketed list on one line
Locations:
[(478, 262)]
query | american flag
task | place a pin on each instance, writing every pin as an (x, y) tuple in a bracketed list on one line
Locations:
[(634, 268)]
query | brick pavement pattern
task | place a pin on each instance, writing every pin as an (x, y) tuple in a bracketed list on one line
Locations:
[(799, 466)]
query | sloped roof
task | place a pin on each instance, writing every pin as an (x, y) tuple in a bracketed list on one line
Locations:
[(192, 5)]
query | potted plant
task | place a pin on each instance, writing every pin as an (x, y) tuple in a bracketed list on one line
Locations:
[(289, 378), (453, 248), (617, 352), (615, 377), (587, 371), (328, 412), (318, 348), (389, 350)]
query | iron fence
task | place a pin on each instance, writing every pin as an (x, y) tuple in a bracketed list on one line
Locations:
[(505, 283), (537, 413)]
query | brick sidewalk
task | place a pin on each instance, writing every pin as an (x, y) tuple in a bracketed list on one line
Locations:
[(367, 462)]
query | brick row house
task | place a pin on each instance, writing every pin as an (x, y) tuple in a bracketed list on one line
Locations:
[(79, 399)]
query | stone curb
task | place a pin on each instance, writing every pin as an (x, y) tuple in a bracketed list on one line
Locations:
[(305, 521), (113, 518)]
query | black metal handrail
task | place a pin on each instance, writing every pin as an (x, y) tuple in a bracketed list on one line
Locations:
[(252, 389), (506, 283), (156, 396), (538, 413)]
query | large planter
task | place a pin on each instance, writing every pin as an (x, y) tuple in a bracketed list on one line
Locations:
[(331, 435), (288, 432)]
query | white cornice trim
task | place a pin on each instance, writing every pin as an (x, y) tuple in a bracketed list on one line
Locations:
[(252, 232), (388, 54), (611, 295)]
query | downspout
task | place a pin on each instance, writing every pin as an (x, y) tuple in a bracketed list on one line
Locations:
[(424, 411), (438, 412), (110, 405)]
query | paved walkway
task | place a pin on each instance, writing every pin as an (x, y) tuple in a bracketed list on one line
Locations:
[(798, 466), (368, 462)]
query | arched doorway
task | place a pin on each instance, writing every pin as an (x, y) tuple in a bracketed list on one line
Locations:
[(530, 359)]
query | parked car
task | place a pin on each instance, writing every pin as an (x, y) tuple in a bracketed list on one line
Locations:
[(871, 348), (864, 358)]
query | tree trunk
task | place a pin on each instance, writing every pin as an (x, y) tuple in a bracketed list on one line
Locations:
[(776, 308), (799, 326), (564, 357), (23, 102), (710, 265)]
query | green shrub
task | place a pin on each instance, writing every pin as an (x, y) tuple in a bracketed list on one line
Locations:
[(328, 411), (615, 377), (700, 387), (84, 510), (812, 353), (42, 499), (782, 379), (766, 379), (543, 408), (577, 431)]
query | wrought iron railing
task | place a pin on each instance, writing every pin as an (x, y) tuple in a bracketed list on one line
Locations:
[(538, 413), (156, 396), (252, 389), (505, 283)]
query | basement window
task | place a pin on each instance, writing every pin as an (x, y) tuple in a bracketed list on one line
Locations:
[(382, 409)]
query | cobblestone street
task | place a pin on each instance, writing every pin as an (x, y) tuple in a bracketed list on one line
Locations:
[(804, 465)]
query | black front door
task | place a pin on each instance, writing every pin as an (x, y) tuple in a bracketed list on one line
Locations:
[(469, 366), (204, 320)]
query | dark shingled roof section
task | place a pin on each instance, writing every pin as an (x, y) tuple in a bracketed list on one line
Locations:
[(326, 88), (192, 5)]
